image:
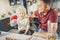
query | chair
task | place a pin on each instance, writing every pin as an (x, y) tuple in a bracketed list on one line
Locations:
[(35, 24)]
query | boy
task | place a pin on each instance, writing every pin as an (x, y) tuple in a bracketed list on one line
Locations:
[(19, 18)]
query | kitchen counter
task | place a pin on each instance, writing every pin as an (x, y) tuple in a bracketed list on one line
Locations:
[(13, 36), (5, 35), (17, 36)]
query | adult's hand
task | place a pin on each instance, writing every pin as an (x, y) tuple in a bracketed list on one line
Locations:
[(40, 34)]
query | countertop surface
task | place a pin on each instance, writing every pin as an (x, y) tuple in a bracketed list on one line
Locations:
[(13, 36), (17, 36)]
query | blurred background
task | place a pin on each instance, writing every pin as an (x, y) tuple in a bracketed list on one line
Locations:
[(8, 8)]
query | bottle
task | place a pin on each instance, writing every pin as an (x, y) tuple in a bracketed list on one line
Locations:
[(50, 31), (49, 27)]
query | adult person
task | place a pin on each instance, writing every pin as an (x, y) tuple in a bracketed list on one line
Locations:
[(45, 13)]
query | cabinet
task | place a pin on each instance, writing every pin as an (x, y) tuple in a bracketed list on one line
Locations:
[(4, 25), (58, 30)]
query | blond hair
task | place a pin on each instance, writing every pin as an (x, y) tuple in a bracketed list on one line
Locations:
[(21, 9)]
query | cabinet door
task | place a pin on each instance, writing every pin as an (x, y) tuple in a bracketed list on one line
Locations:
[(58, 30), (4, 25)]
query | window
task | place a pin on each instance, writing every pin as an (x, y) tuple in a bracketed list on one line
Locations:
[(56, 4), (14, 2)]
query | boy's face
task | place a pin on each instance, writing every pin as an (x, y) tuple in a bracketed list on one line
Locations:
[(21, 14), (40, 6)]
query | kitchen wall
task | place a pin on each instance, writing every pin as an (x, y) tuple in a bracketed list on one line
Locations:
[(4, 5), (4, 8)]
